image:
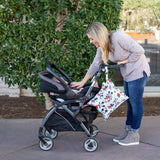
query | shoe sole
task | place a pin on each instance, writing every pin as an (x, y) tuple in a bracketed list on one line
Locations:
[(128, 144)]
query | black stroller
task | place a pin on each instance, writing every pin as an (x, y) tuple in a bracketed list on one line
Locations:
[(70, 111)]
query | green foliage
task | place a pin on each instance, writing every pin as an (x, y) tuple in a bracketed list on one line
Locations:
[(151, 10), (31, 33)]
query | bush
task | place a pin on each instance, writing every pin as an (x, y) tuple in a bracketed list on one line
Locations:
[(33, 32)]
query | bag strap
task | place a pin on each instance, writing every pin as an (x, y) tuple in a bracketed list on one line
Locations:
[(106, 72)]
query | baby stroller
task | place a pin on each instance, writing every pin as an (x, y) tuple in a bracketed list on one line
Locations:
[(70, 111)]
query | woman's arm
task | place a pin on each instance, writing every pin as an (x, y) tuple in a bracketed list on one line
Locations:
[(123, 61), (91, 71), (124, 47), (130, 45)]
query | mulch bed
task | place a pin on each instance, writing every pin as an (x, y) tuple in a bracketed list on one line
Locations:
[(29, 107)]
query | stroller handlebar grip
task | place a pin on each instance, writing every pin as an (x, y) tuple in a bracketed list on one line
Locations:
[(110, 66)]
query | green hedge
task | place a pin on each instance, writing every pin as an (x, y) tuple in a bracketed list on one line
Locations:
[(30, 36)]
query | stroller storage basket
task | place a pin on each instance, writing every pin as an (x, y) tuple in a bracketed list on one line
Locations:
[(60, 120)]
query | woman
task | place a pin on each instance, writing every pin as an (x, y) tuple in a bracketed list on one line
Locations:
[(122, 49)]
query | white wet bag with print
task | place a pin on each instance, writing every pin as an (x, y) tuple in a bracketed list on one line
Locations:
[(108, 98)]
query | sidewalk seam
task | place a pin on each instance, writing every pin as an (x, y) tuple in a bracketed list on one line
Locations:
[(18, 150)]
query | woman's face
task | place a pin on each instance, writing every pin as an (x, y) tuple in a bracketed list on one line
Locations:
[(93, 41)]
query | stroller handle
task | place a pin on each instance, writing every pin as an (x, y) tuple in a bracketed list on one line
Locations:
[(96, 77), (110, 65)]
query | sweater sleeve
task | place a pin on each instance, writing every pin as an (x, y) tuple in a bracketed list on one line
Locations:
[(94, 67), (135, 49)]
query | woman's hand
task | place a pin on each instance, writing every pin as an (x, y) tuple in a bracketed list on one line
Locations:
[(80, 84), (77, 85)]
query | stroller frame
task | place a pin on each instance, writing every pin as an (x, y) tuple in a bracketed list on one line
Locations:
[(47, 134)]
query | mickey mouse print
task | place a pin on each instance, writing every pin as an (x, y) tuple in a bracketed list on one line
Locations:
[(108, 99)]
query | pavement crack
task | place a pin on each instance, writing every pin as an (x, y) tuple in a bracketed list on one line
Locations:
[(108, 133), (18, 150), (150, 144)]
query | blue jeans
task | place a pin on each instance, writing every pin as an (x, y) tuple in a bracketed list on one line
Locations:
[(134, 90)]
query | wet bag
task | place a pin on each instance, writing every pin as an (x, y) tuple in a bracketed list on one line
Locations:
[(108, 98)]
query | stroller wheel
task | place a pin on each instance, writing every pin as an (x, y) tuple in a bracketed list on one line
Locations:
[(53, 133), (47, 144), (90, 144), (93, 130)]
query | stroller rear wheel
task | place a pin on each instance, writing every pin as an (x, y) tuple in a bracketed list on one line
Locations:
[(46, 144), (52, 133), (90, 144)]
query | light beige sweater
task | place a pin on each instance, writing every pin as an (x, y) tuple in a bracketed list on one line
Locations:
[(124, 47)]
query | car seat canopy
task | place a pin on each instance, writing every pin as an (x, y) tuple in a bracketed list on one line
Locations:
[(50, 84)]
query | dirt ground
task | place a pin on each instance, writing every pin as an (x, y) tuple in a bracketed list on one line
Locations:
[(29, 107)]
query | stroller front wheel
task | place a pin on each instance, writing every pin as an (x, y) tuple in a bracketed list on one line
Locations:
[(93, 130), (52, 133), (90, 144), (46, 144)]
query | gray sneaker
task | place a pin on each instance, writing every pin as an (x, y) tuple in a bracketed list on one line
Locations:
[(121, 136), (131, 139)]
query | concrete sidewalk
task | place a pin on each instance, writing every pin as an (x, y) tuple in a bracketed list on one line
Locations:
[(19, 141)]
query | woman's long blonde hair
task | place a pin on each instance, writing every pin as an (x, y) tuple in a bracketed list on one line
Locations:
[(100, 34)]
